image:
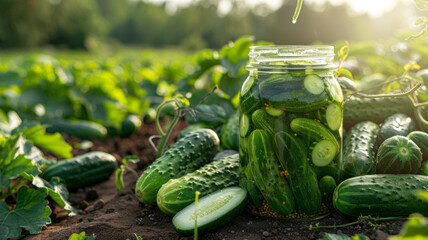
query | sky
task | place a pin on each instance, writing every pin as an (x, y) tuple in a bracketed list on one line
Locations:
[(374, 8)]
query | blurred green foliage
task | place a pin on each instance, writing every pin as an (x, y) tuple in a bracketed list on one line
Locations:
[(91, 23)]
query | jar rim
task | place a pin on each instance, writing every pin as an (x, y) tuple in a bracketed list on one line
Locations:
[(291, 57)]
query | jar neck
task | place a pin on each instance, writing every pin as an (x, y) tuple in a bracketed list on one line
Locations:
[(291, 57)]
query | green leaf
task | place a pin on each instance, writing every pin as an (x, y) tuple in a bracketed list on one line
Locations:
[(31, 212), (130, 159), (138, 237), (56, 190), (4, 182), (81, 236), (119, 178), (416, 226), (212, 115), (51, 142), (345, 73), (17, 166), (10, 79), (423, 195), (359, 237), (331, 236)]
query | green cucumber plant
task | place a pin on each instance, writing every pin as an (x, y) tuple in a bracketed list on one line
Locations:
[(124, 166), (20, 164)]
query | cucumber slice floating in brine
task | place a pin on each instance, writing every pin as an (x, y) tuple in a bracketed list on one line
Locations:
[(334, 116), (212, 211), (314, 84), (323, 153)]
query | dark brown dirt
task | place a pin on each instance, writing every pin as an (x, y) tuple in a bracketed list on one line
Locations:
[(112, 214)]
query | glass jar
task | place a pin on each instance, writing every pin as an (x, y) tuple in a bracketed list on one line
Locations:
[(290, 126)]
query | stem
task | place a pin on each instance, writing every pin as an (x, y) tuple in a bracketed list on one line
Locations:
[(166, 135), (12, 190), (297, 11), (411, 91), (133, 171), (360, 219)]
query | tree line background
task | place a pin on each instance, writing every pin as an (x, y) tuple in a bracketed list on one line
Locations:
[(81, 24)]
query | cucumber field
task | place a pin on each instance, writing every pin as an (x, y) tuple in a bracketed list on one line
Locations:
[(210, 120)]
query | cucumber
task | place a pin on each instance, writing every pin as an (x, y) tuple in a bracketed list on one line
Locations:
[(358, 109), (130, 124), (314, 84), (264, 169), (224, 153), (334, 116), (250, 102), (424, 169), (334, 89), (212, 211), (327, 184), (396, 124), (421, 139), (290, 96), (384, 195), (83, 170), (323, 153), (254, 194), (330, 170), (262, 120), (80, 128), (347, 84), (274, 112), (187, 155), (303, 181), (398, 155), (359, 150), (177, 193), (230, 133), (244, 125), (315, 131), (190, 128)]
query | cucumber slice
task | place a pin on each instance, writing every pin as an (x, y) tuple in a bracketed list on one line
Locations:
[(333, 115), (323, 153), (314, 84), (274, 112), (213, 211), (244, 125)]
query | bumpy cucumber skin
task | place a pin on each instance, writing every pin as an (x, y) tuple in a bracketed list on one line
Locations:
[(396, 124), (359, 150), (264, 169), (230, 133), (191, 127), (357, 109), (421, 139), (187, 155), (224, 153), (390, 158), (83, 170), (178, 193), (80, 128), (218, 222), (303, 180), (383, 195)]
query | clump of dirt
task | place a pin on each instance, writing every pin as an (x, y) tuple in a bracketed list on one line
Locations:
[(112, 214)]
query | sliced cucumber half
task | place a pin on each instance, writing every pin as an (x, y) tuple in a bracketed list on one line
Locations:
[(333, 115), (274, 112), (314, 84), (323, 153), (213, 211)]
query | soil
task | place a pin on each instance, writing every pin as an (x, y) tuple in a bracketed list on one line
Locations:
[(112, 214)]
